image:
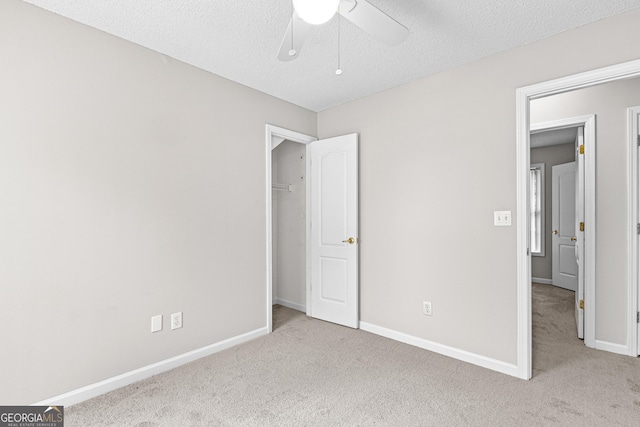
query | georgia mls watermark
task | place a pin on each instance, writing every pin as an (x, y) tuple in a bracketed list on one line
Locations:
[(31, 416)]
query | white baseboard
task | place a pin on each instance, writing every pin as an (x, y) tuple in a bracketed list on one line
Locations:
[(291, 305), (465, 356), (613, 348), (110, 384), (541, 280)]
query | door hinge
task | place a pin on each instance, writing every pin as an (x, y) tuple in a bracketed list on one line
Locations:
[(581, 304), (581, 148), (638, 228), (637, 316), (582, 226)]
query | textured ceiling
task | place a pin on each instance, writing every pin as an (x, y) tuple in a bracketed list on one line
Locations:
[(239, 40)]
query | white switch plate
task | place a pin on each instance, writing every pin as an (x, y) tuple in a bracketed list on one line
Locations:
[(176, 320), (156, 323), (502, 218)]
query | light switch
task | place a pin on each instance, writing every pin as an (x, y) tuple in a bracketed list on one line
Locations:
[(502, 218), (156, 323)]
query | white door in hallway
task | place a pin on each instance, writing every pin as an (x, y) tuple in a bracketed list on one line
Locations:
[(578, 233), (637, 132), (334, 230), (564, 268), (634, 223)]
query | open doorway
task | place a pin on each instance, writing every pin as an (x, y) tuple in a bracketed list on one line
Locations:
[(612, 333), (276, 136), (331, 251), (289, 202), (549, 148), (557, 264), (559, 150)]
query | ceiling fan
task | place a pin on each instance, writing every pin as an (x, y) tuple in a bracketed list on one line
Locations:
[(360, 12)]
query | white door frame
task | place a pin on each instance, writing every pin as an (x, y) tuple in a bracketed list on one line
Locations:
[(289, 135), (524, 95), (634, 220)]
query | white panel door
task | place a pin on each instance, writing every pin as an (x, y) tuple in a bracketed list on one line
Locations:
[(564, 268), (334, 230), (579, 232)]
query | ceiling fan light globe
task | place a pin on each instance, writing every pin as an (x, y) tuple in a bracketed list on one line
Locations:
[(316, 12)]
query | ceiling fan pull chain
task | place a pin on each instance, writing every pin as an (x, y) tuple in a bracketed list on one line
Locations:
[(338, 70), (292, 51)]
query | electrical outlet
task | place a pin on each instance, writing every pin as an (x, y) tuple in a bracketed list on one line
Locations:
[(426, 308), (176, 320), (156, 323)]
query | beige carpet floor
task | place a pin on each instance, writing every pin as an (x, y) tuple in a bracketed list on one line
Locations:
[(313, 373)]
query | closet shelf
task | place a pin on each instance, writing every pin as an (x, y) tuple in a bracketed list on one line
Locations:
[(281, 187)]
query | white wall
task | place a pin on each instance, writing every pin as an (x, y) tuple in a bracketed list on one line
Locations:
[(437, 157), (609, 102), (289, 232), (131, 185), (550, 156)]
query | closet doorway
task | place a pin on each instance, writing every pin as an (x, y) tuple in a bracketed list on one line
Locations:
[(312, 225), (278, 193), (288, 216)]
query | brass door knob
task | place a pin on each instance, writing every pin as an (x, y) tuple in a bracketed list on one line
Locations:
[(555, 231), (350, 241), (573, 239)]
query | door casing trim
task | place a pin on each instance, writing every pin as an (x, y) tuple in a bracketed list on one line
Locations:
[(289, 135), (524, 95), (634, 219)]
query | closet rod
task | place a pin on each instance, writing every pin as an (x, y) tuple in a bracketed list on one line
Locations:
[(281, 187)]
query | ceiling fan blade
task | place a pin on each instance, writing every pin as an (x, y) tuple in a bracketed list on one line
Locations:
[(300, 31), (374, 21)]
